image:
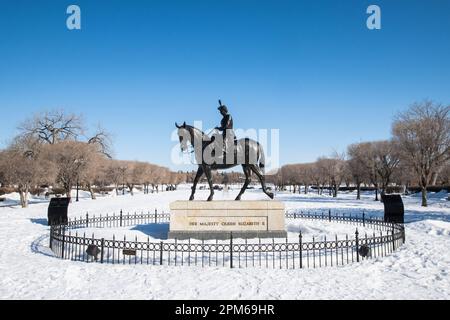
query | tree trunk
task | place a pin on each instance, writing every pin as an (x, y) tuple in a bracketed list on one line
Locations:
[(130, 186), (117, 189), (91, 191), (424, 197), (358, 191), (336, 190), (68, 190), (376, 193), (23, 197), (306, 188)]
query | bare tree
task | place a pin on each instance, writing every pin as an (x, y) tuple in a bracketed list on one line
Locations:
[(404, 176), (306, 172), (148, 176), (113, 174), (131, 175), (358, 166), (53, 126), (291, 176), (423, 135), (71, 159), (23, 166), (102, 139), (94, 173), (367, 157), (386, 158), (318, 177), (299, 175), (334, 168), (161, 177), (273, 177)]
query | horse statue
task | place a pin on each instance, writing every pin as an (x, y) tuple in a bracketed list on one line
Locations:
[(246, 152)]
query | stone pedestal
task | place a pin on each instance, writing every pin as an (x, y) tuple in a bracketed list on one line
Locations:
[(218, 219)]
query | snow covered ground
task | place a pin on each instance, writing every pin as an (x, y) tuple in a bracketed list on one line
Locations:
[(418, 270)]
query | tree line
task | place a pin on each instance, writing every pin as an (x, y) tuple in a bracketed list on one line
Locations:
[(53, 149), (416, 155)]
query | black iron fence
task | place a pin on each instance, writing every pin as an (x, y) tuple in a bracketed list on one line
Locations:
[(67, 243)]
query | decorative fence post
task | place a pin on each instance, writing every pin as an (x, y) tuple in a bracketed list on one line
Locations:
[(357, 245), (87, 219), (393, 238), (120, 217), (156, 216), (161, 254), (337, 250), (63, 241), (364, 219), (103, 249), (300, 249), (329, 215), (231, 250)]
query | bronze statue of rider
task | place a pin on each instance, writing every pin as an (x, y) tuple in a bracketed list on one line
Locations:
[(226, 126)]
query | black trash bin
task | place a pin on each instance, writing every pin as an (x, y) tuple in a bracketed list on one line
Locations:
[(57, 211), (394, 210)]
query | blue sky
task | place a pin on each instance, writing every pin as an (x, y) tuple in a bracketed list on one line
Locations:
[(309, 68)]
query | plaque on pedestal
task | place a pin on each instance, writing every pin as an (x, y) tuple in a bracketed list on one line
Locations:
[(218, 219)]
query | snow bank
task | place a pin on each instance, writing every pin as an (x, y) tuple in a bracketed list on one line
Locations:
[(418, 270)]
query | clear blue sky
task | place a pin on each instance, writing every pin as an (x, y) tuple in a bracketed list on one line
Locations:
[(310, 68)]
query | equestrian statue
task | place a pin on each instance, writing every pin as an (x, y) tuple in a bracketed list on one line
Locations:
[(223, 151)]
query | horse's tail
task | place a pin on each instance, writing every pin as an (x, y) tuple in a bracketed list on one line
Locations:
[(262, 158)]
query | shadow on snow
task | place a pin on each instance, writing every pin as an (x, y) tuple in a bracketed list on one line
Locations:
[(154, 230)]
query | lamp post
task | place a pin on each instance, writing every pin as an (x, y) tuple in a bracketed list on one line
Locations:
[(78, 185), (122, 172), (79, 163)]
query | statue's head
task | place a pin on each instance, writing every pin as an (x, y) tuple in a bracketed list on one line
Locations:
[(223, 110), (183, 135)]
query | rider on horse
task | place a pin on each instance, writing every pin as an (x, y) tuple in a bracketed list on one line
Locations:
[(226, 126)]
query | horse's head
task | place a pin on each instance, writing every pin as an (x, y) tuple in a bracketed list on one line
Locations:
[(184, 135)]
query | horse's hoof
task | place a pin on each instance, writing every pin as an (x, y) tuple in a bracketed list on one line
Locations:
[(270, 195), (237, 199), (209, 199), (191, 198)]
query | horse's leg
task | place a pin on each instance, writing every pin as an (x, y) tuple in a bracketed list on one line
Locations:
[(262, 179), (207, 170), (247, 173), (197, 177)]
